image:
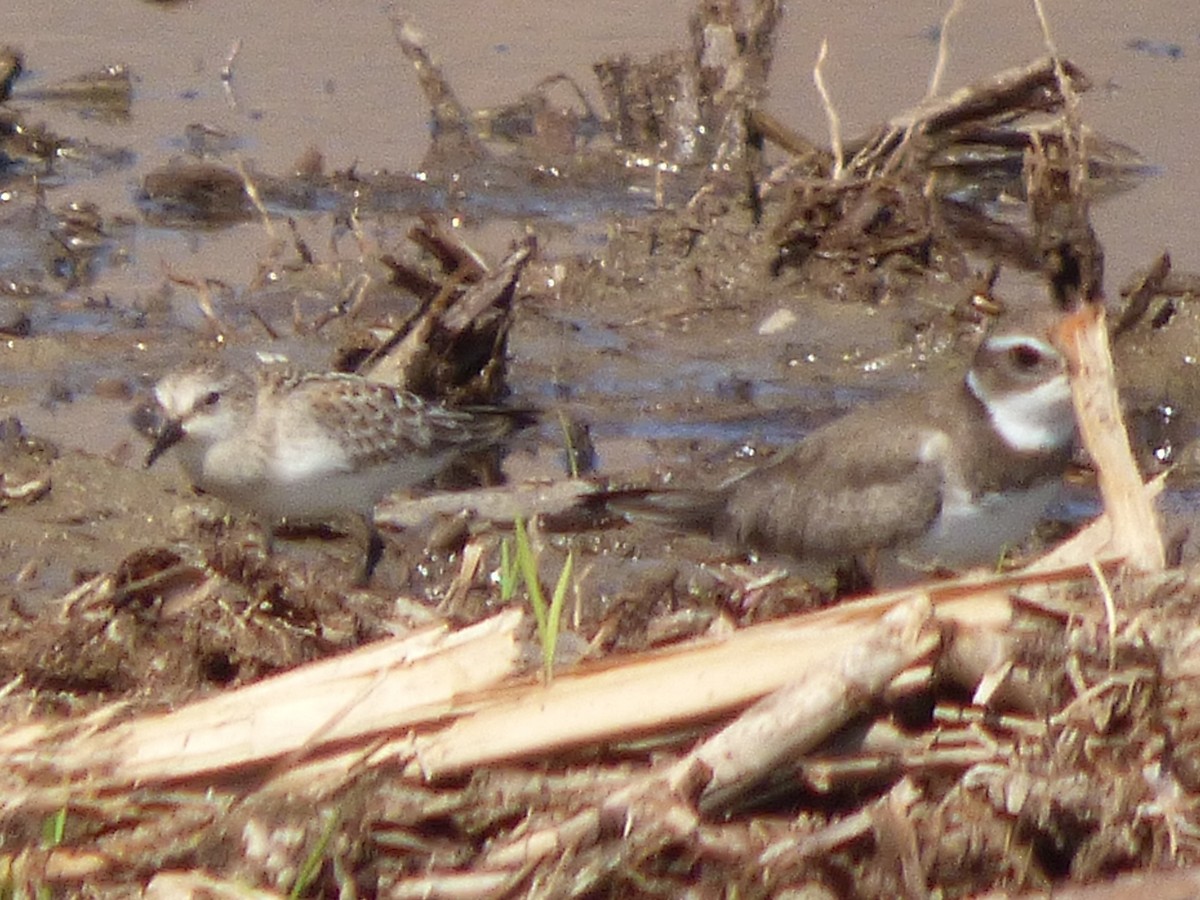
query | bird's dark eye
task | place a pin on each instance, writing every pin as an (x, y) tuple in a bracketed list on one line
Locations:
[(1025, 357), (212, 398)]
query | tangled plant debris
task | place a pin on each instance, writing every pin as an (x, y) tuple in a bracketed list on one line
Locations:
[(201, 718)]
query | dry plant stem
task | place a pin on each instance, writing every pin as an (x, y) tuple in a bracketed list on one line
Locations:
[(491, 286), (1070, 98), (384, 686), (502, 504), (896, 836), (797, 717), (943, 54), (831, 114), (345, 713), (256, 199), (1174, 884), (648, 801), (457, 886), (783, 136), (452, 120), (452, 252), (1136, 536), (959, 742), (819, 843), (1094, 543), (203, 289), (472, 558), (581, 829), (175, 885), (227, 73), (1023, 88), (1139, 295), (1110, 613), (660, 689)]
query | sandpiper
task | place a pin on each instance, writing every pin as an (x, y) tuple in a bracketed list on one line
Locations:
[(945, 478), (309, 447)]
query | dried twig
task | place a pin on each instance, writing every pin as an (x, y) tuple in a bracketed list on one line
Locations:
[(831, 114), (943, 54), (227, 72)]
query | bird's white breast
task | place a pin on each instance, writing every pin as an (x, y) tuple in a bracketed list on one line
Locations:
[(970, 532)]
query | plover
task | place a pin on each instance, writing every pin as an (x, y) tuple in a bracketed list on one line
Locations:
[(944, 478), (309, 447)]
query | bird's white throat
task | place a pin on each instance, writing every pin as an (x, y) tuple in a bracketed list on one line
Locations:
[(1036, 420)]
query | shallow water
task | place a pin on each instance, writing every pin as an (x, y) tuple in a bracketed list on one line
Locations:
[(330, 76)]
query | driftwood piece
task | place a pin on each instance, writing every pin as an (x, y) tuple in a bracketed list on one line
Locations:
[(453, 254), (796, 718), (1135, 531), (382, 690), (434, 677), (454, 140), (1029, 87), (1003, 97), (454, 349), (362, 723), (1148, 285)]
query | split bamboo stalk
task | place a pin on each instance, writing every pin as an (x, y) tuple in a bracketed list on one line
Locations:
[(1083, 338), (693, 682), (382, 687)]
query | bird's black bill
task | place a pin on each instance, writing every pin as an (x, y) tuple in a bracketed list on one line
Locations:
[(168, 436)]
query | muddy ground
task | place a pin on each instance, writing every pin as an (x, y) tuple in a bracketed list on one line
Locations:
[(730, 296)]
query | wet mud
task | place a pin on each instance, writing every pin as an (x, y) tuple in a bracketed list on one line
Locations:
[(682, 283)]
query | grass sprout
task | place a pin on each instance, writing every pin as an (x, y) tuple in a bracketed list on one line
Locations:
[(521, 564), (311, 867), (54, 828)]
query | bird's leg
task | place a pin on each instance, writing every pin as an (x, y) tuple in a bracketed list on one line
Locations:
[(374, 551), (857, 575)]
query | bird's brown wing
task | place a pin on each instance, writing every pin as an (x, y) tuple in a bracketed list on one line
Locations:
[(821, 502), (378, 422)]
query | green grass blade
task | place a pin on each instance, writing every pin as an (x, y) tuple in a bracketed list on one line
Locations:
[(508, 572), (554, 618), (54, 828), (527, 565), (311, 867)]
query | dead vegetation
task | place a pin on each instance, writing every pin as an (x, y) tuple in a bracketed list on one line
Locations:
[(207, 722)]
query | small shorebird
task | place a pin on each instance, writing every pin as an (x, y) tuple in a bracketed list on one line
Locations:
[(946, 477), (312, 446)]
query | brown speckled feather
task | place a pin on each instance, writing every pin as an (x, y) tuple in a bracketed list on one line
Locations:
[(377, 423)]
